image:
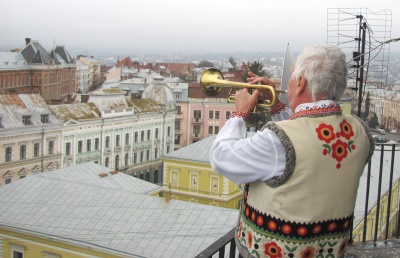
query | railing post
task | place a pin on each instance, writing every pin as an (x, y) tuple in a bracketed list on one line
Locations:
[(378, 203), (390, 193), (366, 203)]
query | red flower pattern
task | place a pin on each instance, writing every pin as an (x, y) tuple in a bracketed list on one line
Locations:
[(273, 250), (346, 130), (308, 252), (340, 148), (325, 133)]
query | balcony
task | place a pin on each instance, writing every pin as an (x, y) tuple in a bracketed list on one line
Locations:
[(196, 135), (376, 236), (197, 120), (178, 131)]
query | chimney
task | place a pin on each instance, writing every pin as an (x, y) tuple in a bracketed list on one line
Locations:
[(27, 41)]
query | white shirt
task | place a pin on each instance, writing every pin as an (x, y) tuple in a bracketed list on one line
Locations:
[(259, 157)]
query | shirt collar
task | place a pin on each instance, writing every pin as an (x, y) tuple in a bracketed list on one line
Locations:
[(316, 105), (318, 108)]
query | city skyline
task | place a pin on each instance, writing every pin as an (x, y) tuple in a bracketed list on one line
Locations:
[(173, 27)]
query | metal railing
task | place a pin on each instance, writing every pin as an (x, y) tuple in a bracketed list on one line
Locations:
[(380, 227)]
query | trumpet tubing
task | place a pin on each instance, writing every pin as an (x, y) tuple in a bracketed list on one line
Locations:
[(212, 81)]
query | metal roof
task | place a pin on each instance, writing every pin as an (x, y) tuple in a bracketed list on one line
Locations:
[(76, 208)]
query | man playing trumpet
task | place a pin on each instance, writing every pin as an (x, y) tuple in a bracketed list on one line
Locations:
[(301, 170)]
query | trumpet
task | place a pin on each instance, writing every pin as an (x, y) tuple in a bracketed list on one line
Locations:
[(212, 81)]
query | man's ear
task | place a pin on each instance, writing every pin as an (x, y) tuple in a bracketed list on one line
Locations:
[(302, 85)]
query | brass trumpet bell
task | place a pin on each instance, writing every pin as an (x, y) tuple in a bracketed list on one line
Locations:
[(212, 81)]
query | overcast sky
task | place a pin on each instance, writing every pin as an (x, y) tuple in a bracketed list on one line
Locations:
[(124, 27)]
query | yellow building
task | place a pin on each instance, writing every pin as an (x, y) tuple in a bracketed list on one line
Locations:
[(188, 176)]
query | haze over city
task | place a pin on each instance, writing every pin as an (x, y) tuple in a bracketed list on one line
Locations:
[(126, 27)]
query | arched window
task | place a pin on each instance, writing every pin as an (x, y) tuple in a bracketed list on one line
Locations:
[(141, 176), (117, 162), (126, 159), (107, 162), (156, 176), (147, 178)]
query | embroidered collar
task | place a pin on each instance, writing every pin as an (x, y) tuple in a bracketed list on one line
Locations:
[(319, 108)]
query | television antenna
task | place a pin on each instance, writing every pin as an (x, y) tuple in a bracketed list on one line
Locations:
[(363, 35)]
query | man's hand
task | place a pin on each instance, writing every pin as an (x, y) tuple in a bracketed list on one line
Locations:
[(244, 101)]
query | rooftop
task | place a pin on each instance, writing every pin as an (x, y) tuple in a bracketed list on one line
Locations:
[(76, 206)]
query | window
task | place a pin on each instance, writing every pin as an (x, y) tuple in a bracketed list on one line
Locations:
[(216, 129), (126, 159), (117, 140), (44, 119), (168, 148), (107, 162), (177, 95), (22, 152), (136, 136), (17, 250), (156, 153), (178, 110), (80, 146), (197, 114), (147, 176), (142, 136), (177, 139), (51, 147), (36, 149), (17, 254), (156, 176), (169, 131), (26, 120), (227, 114), (68, 148), (177, 125), (8, 154), (96, 143), (117, 162), (89, 145), (196, 130), (210, 129), (7, 181), (148, 135), (141, 156), (148, 155), (210, 114), (156, 133), (134, 158), (216, 114), (107, 141), (126, 138)]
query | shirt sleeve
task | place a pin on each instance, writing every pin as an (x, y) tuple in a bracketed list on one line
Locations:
[(245, 159)]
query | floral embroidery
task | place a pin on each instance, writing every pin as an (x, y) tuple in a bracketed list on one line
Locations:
[(308, 252), (340, 147), (273, 250), (325, 133), (250, 239)]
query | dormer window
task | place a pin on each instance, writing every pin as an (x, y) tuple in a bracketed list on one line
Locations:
[(44, 119), (26, 120)]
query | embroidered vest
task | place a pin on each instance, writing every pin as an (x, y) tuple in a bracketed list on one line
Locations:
[(307, 212)]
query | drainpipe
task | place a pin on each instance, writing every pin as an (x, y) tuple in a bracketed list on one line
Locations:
[(42, 150)]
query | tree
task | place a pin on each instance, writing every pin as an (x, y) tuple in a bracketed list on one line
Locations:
[(256, 68), (233, 63), (373, 122), (205, 63), (365, 114)]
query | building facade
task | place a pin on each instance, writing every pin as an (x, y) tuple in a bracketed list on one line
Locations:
[(94, 71), (30, 137)]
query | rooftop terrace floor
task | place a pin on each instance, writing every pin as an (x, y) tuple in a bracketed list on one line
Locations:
[(383, 249)]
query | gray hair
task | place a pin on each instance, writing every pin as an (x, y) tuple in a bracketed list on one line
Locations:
[(325, 70)]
